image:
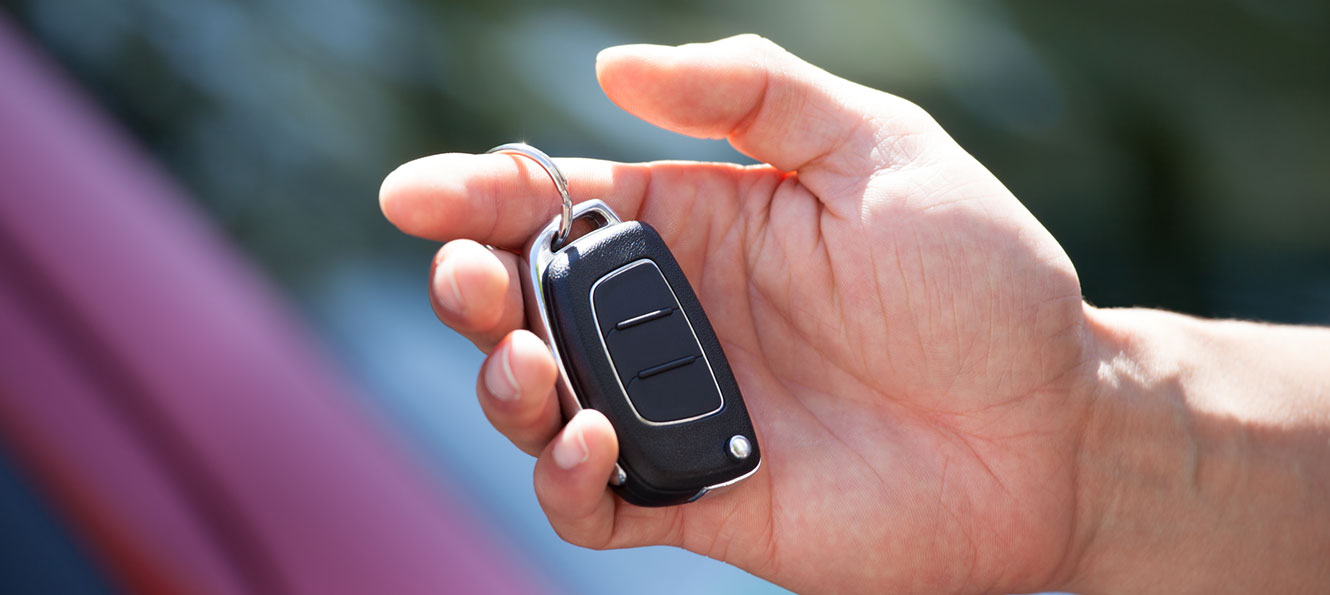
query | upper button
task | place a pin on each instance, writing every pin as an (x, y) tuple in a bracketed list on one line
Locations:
[(629, 293)]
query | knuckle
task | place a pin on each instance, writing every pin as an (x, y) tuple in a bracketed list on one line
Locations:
[(902, 131), (912, 112), (899, 111), (756, 44), (909, 115)]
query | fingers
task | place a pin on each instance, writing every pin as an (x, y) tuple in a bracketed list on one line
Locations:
[(768, 103), (499, 199), (571, 484), (476, 291), (516, 391)]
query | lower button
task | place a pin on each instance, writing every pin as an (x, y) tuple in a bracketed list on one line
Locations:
[(682, 392)]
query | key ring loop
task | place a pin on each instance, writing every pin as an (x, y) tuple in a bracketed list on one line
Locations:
[(566, 214)]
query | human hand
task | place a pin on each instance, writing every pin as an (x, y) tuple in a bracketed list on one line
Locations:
[(910, 341)]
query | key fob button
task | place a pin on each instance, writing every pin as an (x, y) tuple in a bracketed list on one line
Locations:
[(630, 297), (684, 391), (643, 346)]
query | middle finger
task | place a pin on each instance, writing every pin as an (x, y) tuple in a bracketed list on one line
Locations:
[(475, 290)]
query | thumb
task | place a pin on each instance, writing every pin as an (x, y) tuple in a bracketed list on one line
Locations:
[(769, 104)]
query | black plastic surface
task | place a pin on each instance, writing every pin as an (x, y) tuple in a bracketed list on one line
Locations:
[(658, 359), (666, 464)]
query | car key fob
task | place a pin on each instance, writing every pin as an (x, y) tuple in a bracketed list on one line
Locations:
[(631, 340)]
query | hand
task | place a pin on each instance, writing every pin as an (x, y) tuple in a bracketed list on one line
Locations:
[(909, 340)]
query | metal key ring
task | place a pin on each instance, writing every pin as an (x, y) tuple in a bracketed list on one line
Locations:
[(566, 215)]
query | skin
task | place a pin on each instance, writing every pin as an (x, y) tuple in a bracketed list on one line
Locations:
[(938, 409)]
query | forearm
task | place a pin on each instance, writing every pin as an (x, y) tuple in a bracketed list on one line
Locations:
[(1205, 465)]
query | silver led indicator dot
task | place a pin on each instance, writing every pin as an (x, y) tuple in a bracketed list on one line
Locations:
[(740, 448)]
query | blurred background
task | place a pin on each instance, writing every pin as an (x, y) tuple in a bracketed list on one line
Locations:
[(1180, 151)]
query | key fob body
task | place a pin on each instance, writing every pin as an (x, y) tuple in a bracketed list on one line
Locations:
[(631, 341)]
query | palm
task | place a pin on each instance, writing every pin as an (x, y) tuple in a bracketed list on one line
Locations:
[(900, 380)]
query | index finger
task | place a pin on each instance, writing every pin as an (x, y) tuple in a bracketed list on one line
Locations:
[(499, 199)]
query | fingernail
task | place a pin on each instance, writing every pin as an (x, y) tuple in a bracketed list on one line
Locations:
[(570, 451), (499, 378), (445, 284)]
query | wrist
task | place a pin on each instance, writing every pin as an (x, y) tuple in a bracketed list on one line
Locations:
[(1185, 479), (1139, 455)]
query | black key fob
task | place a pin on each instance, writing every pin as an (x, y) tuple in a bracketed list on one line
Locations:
[(631, 341)]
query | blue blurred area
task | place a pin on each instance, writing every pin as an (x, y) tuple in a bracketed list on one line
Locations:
[(38, 552)]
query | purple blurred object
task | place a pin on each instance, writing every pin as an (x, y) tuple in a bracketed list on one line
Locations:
[(168, 405)]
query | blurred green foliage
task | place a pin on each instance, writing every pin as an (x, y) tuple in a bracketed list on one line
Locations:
[(1179, 150)]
